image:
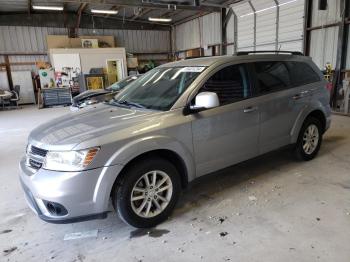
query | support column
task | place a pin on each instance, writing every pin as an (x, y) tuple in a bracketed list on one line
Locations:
[(235, 33), (341, 56), (277, 24), (8, 71), (223, 32), (253, 8), (307, 24)]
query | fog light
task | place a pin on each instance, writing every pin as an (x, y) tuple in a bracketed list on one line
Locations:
[(55, 208)]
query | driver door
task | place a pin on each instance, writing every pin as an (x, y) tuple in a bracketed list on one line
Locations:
[(227, 134)]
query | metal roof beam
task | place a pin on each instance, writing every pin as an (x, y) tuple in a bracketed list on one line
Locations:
[(29, 7), (139, 3), (69, 20), (142, 13), (189, 18), (81, 9)]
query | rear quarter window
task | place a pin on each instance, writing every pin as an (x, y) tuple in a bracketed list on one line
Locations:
[(301, 73)]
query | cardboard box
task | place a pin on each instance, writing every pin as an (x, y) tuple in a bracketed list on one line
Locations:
[(63, 41), (132, 62), (194, 52)]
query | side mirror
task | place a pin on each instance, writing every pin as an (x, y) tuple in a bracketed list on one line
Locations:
[(205, 100)]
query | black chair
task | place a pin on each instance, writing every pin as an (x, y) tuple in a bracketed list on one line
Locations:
[(14, 98), (17, 88)]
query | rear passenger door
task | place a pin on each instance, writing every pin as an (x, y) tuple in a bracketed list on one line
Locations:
[(283, 95)]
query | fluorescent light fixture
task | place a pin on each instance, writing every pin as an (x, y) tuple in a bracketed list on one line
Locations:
[(100, 11), (51, 8), (268, 8), (159, 19)]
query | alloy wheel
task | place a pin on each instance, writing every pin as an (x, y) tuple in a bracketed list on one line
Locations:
[(151, 194), (310, 139)]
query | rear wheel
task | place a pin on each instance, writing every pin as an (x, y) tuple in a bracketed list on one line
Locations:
[(147, 193), (309, 140)]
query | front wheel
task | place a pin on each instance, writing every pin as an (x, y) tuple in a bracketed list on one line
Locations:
[(309, 140), (147, 193)]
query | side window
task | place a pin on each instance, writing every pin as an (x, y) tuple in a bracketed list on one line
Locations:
[(230, 84), (301, 73), (272, 76)]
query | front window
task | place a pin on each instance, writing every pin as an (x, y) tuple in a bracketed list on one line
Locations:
[(231, 84), (159, 88)]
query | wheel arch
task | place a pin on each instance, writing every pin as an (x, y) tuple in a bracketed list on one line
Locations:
[(315, 112), (320, 116), (167, 154)]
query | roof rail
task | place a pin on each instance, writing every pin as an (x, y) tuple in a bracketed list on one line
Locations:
[(194, 57), (269, 51)]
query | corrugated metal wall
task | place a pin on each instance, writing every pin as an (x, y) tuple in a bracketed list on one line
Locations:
[(210, 35), (33, 39), (245, 26), (199, 32), (187, 35), (323, 45), (289, 25), (266, 24)]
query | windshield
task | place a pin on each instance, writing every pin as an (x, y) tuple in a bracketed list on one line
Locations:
[(159, 88), (121, 84)]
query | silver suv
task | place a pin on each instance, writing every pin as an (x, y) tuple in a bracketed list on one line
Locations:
[(178, 122)]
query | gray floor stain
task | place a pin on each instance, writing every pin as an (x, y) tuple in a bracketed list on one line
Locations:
[(150, 232)]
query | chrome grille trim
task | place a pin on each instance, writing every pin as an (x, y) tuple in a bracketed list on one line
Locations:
[(35, 157)]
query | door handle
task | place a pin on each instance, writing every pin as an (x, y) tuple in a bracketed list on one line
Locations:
[(250, 109), (297, 96), (301, 94)]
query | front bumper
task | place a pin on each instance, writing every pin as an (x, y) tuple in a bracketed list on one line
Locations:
[(85, 195)]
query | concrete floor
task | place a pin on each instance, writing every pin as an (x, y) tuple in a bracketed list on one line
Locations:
[(272, 209)]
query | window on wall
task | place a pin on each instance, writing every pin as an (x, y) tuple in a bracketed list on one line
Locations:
[(230, 84), (301, 73), (272, 76)]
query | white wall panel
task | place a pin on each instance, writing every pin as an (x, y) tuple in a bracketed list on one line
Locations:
[(199, 32), (211, 29), (291, 23), (323, 17), (323, 46), (266, 15), (245, 27), (230, 50), (348, 51), (265, 47), (230, 33), (291, 45), (187, 35)]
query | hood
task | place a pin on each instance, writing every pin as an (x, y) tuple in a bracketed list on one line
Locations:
[(68, 131)]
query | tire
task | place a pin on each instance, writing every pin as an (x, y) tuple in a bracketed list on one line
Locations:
[(301, 150), (134, 179)]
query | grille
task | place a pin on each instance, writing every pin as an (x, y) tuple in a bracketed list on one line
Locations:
[(35, 157), (38, 151)]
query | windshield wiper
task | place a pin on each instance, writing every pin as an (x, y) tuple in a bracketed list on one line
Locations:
[(127, 103)]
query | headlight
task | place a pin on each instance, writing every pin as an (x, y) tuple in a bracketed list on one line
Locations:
[(69, 160)]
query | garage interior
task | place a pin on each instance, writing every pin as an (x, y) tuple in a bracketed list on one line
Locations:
[(267, 209)]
